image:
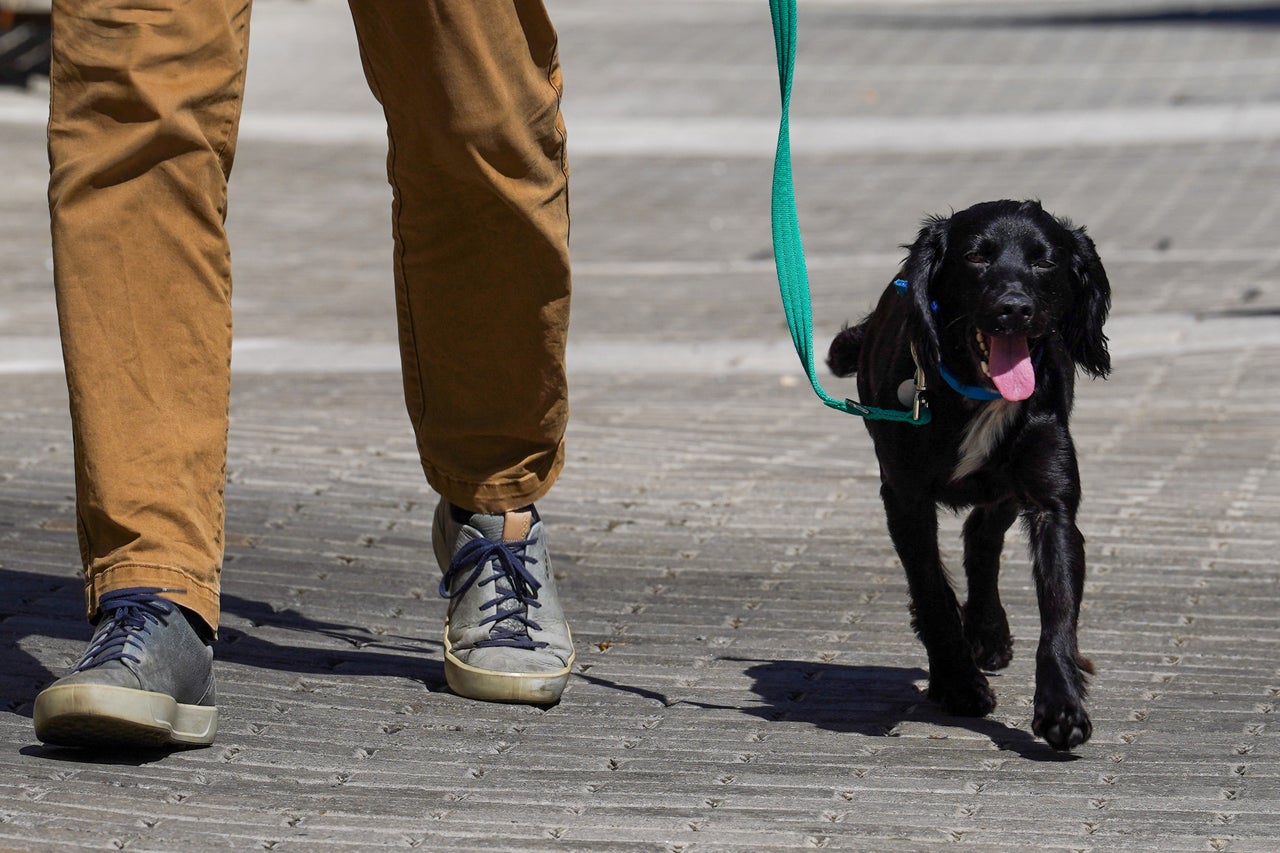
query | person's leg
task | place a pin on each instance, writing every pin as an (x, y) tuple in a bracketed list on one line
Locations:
[(471, 93), (144, 107)]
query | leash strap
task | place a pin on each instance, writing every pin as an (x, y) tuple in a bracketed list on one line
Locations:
[(788, 249)]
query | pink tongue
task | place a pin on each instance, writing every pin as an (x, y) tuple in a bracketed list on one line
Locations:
[(1010, 364)]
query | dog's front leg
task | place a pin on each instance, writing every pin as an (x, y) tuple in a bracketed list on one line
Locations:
[(955, 682), (985, 625), (1057, 549)]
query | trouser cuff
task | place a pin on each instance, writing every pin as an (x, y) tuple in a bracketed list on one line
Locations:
[(178, 586)]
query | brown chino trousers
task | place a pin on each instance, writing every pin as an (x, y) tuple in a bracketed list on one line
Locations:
[(142, 132)]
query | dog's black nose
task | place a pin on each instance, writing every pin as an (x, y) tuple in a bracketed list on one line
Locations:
[(1013, 312)]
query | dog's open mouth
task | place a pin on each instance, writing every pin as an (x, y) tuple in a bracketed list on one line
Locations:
[(1006, 361)]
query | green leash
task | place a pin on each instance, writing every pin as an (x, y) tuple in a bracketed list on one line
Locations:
[(788, 250)]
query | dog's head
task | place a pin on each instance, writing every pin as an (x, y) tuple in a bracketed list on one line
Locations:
[(989, 284)]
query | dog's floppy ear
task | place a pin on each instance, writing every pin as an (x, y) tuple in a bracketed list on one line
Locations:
[(1082, 326), (924, 260)]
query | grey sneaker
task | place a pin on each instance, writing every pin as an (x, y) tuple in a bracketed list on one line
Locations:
[(505, 636), (145, 680)]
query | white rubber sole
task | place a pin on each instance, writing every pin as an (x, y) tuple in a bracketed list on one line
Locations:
[(520, 688), (106, 716)]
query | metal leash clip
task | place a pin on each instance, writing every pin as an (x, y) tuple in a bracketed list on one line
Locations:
[(918, 401)]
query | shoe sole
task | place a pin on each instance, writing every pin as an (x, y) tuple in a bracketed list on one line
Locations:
[(105, 716), (488, 685)]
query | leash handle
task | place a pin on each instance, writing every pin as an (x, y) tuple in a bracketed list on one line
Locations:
[(788, 249)]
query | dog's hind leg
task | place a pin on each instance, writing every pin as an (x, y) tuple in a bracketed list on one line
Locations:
[(985, 625), (955, 682)]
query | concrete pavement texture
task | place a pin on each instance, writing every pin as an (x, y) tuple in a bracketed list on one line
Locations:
[(747, 678)]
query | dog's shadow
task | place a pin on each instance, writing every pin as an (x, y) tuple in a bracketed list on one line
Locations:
[(872, 701)]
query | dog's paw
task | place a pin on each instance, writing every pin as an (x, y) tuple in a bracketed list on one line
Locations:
[(993, 656), (989, 641), (968, 698), (1063, 726)]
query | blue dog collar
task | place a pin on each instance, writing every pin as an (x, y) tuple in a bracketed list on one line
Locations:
[(973, 392)]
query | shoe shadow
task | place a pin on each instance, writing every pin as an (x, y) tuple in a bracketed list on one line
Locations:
[(123, 757), (34, 606), (366, 653), (872, 701), (46, 607)]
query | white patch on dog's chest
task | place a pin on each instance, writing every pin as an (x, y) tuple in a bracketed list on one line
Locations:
[(982, 435)]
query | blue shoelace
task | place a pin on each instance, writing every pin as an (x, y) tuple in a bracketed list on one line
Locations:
[(125, 614), (508, 560)]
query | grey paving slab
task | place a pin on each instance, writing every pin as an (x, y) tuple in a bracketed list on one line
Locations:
[(747, 677)]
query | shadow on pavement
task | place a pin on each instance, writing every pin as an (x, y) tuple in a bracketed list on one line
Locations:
[(38, 605), (873, 701), (131, 757)]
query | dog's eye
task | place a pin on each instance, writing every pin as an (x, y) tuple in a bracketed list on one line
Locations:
[(975, 258), (1045, 264)]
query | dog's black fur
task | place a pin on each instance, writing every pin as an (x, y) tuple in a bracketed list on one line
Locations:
[(999, 268)]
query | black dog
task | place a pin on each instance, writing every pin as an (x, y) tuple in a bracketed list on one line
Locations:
[(999, 305)]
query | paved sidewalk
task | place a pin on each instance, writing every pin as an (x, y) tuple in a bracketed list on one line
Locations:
[(747, 676)]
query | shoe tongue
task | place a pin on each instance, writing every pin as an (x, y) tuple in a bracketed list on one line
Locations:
[(1010, 364), (502, 527), (507, 527), (488, 525)]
